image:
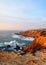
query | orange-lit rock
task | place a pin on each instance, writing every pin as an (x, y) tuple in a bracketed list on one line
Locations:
[(34, 33), (39, 42)]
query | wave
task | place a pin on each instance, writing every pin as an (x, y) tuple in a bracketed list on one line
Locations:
[(28, 38), (23, 38), (11, 46), (16, 36)]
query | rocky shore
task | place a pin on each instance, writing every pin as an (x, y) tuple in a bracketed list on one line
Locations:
[(39, 41), (34, 53)]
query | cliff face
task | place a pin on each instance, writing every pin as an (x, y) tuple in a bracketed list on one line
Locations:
[(34, 33), (38, 43)]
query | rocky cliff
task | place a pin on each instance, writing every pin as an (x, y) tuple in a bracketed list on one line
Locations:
[(39, 41)]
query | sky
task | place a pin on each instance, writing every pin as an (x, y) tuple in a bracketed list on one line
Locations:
[(22, 14)]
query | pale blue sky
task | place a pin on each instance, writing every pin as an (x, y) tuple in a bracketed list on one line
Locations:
[(22, 14)]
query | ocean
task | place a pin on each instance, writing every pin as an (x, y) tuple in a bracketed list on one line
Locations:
[(9, 41)]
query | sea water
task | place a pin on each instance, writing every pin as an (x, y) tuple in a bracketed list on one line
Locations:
[(9, 40)]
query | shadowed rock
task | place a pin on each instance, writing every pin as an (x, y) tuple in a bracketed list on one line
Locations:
[(17, 47), (8, 46)]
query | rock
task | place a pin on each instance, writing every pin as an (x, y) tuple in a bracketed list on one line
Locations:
[(17, 47), (39, 41), (8, 46), (38, 44), (34, 33)]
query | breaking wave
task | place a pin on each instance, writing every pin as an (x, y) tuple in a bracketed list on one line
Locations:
[(23, 38), (19, 41)]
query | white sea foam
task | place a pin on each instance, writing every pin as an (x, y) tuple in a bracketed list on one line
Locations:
[(23, 38), (16, 42), (16, 36), (28, 38), (12, 43)]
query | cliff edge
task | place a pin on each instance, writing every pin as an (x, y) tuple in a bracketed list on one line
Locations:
[(39, 41)]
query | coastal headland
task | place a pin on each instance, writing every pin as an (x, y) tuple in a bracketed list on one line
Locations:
[(34, 53)]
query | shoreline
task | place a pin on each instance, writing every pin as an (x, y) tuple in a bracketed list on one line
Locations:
[(34, 53)]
